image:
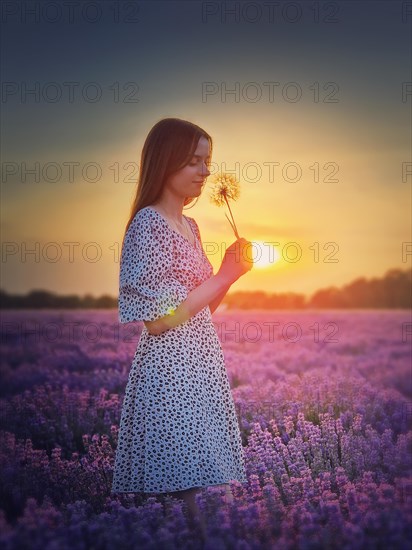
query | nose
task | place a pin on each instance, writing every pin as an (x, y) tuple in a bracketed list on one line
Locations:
[(205, 170)]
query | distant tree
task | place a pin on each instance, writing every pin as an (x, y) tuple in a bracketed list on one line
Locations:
[(105, 302), (40, 299), (88, 301), (397, 288), (328, 298)]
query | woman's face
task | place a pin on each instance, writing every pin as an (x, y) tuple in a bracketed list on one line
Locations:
[(189, 181)]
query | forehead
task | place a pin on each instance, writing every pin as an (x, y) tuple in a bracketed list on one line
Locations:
[(203, 147)]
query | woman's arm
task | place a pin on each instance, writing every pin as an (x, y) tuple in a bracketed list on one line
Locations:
[(216, 301), (201, 296)]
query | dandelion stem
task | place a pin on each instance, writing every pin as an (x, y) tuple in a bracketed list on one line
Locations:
[(234, 225), (231, 224)]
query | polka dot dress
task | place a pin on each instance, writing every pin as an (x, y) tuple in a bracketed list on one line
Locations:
[(178, 426)]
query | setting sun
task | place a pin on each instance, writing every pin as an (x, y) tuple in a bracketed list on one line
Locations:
[(264, 254)]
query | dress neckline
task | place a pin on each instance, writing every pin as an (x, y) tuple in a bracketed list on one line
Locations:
[(194, 245)]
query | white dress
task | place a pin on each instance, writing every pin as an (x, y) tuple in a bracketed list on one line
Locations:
[(178, 426)]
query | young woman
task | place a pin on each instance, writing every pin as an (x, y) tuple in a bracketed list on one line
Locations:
[(178, 429)]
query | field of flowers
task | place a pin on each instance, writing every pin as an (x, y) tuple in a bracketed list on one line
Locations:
[(324, 403)]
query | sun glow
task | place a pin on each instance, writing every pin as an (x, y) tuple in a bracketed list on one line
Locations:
[(264, 254)]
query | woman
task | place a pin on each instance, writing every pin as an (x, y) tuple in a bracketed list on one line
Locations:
[(178, 429)]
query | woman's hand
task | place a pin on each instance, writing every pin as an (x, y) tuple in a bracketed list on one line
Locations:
[(237, 260)]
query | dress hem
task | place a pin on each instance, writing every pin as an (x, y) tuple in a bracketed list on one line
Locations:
[(175, 490)]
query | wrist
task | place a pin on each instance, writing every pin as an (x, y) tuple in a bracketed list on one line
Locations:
[(223, 280)]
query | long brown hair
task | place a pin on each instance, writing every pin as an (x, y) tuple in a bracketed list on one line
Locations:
[(169, 146)]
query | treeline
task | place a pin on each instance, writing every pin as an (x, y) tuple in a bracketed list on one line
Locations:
[(393, 290), (42, 299)]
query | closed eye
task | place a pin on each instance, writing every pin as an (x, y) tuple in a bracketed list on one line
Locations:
[(207, 162), (198, 157)]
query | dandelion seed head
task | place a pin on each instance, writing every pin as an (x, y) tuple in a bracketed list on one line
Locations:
[(225, 186)]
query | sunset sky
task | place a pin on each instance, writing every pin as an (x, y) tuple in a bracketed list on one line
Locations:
[(322, 96)]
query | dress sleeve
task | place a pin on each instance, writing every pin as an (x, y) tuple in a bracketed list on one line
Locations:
[(147, 288)]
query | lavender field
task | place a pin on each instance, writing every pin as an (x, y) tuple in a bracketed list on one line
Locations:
[(324, 403)]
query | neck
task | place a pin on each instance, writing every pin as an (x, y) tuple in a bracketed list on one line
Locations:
[(171, 206)]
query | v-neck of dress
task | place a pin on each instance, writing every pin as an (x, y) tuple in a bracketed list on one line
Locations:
[(194, 245)]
